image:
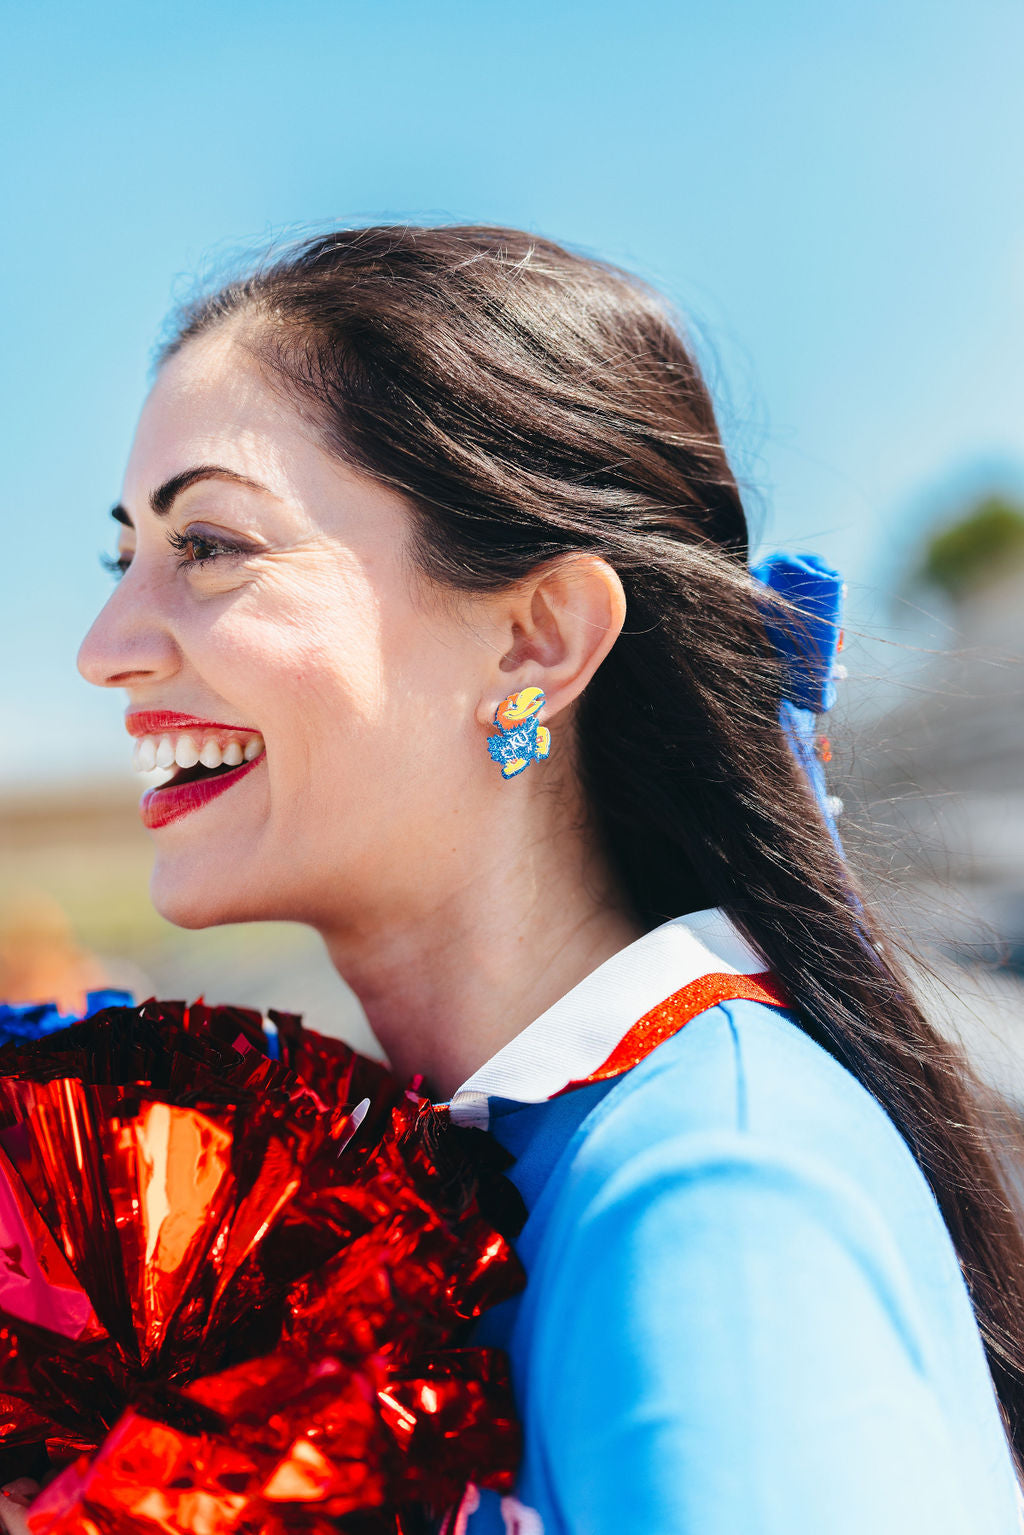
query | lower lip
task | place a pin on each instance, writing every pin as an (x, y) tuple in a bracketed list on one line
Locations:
[(157, 807)]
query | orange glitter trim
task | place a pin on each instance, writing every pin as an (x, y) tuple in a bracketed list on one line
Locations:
[(668, 1017)]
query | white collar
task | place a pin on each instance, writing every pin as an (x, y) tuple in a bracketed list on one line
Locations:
[(575, 1036)]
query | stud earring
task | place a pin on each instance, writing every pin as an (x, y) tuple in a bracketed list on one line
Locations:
[(521, 740)]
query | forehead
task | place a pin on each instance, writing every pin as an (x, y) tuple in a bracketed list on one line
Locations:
[(211, 403)]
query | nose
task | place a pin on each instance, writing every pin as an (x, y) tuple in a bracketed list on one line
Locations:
[(127, 643)]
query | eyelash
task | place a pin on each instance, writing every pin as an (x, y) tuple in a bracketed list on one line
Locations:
[(117, 566), (179, 541)]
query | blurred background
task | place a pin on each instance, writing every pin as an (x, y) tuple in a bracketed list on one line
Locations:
[(831, 195)]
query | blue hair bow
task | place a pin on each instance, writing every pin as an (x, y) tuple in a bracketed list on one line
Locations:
[(808, 648)]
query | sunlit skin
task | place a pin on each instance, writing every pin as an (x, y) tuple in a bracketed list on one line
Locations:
[(457, 904)]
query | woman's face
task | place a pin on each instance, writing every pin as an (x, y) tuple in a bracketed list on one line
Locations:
[(267, 597)]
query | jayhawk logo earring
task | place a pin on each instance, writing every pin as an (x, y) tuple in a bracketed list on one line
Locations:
[(522, 740)]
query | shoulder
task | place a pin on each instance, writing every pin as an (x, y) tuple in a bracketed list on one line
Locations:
[(740, 1145), (742, 1066), (747, 1280), (744, 1078)]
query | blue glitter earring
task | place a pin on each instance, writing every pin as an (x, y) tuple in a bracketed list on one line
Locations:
[(521, 740)]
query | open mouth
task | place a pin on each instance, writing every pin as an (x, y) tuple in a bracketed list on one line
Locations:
[(200, 765), (182, 775)]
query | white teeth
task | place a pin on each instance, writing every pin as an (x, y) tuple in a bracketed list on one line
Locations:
[(186, 752), (145, 755)]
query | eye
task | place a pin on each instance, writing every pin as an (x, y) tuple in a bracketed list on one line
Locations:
[(198, 549), (195, 549), (117, 566)]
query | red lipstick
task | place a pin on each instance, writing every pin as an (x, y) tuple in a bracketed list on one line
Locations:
[(169, 803), (154, 722)]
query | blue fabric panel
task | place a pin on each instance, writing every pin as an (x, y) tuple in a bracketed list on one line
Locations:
[(744, 1311)]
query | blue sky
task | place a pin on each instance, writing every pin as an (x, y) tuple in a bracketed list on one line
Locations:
[(831, 193)]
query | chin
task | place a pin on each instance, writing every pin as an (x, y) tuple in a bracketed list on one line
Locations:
[(196, 898)]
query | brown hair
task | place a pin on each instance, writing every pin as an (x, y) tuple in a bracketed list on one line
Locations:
[(529, 401)]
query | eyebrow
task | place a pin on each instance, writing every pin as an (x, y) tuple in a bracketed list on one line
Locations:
[(163, 498)]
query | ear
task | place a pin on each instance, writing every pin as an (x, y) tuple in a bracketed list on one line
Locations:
[(553, 631)]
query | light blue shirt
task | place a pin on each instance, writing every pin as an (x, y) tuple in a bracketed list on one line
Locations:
[(744, 1313)]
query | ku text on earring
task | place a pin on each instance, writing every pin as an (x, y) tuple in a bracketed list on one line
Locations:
[(521, 740)]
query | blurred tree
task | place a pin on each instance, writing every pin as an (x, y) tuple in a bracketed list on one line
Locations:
[(978, 547)]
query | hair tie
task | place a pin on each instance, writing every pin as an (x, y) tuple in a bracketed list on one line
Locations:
[(809, 645)]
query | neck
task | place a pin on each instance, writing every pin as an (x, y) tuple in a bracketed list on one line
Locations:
[(444, 991)]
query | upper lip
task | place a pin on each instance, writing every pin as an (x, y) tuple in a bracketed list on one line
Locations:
[(153, 722)]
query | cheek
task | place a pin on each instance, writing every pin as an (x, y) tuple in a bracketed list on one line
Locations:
[(360, 701), (286, 663)]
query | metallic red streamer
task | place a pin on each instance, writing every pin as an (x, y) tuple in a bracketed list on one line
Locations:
[(235, 1292)]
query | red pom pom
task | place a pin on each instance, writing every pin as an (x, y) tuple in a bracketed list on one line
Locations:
[(241, 1286)]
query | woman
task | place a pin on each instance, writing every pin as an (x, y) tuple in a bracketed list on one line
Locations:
[(430, 548)]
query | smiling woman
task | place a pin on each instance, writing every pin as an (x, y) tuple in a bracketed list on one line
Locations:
[(404, 487)]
